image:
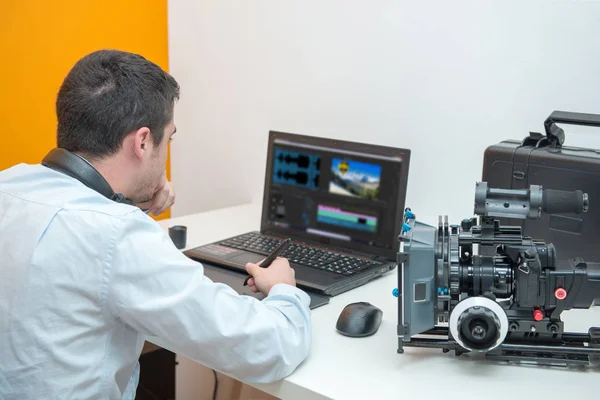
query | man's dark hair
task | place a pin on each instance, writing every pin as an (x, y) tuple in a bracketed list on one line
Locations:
[(107, 95)]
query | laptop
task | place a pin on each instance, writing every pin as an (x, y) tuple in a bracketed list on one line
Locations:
[(340, 202)]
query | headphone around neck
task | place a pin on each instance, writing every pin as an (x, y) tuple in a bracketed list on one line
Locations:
[(77, 167)]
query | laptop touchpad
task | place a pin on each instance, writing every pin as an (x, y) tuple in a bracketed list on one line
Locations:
[(243, 259)]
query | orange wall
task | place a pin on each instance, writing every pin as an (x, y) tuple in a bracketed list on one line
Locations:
[(41, 40)]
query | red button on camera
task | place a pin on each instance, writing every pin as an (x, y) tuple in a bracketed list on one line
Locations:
[(538, 315), (560, 293)]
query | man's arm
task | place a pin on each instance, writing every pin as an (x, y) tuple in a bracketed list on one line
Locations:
[(157, 290)]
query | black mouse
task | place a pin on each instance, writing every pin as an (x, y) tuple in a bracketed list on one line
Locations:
[(359, 320)]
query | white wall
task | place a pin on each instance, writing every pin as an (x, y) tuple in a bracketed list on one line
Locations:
[(443, 78)]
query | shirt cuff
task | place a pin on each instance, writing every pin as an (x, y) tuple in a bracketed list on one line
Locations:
[(285, 289)]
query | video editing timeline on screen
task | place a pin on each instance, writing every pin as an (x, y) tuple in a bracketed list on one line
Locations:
[(337, 216), (329, 193)]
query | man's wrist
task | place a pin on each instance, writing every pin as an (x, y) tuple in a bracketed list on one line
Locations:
[(286, 289)]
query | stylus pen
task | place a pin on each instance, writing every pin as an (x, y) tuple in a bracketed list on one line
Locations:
[(272, 257)]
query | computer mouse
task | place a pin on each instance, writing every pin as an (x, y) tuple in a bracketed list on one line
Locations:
[(359, 320)]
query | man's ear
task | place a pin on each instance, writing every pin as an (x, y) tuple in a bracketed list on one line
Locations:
[(141, 142)]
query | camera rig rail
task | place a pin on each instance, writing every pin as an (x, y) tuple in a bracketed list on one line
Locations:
[(482, 287)]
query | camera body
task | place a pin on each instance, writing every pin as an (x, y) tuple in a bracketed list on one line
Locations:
[(482, 287)]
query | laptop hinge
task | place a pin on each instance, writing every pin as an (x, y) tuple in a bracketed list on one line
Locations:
[(325, 245)]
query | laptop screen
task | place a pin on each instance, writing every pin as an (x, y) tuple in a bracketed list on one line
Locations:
[(344, 194)]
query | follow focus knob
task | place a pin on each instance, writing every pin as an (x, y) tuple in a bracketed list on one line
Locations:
[(479, 328), (478, 324)]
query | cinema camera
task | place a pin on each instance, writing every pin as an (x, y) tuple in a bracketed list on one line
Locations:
[(486, 288)]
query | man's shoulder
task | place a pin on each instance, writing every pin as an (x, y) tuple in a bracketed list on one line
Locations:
[(36, 184)]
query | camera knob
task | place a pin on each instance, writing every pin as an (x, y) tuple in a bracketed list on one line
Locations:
[(530, 254), (479, 327), (466, 224), (478, 324)]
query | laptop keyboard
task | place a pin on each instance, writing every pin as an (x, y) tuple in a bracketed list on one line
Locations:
[(299, 254)]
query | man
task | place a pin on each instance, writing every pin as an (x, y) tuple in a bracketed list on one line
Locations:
[(85, 279)]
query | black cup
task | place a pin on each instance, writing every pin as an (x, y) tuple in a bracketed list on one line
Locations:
[(178, 234)]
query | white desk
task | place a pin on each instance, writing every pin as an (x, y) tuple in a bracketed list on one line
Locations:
[(343, 368)]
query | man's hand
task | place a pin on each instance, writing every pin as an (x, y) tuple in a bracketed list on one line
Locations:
[(164, 197), (263, 279)]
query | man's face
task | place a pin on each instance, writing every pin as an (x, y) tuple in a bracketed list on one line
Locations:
[(153, 170)]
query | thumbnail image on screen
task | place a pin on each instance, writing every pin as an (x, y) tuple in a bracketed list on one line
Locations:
[(354, 178), (336, 216)]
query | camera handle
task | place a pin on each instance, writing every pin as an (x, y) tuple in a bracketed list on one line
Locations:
[(556, 135)]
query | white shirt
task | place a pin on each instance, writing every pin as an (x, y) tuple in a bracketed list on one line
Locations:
[(84, 280)]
